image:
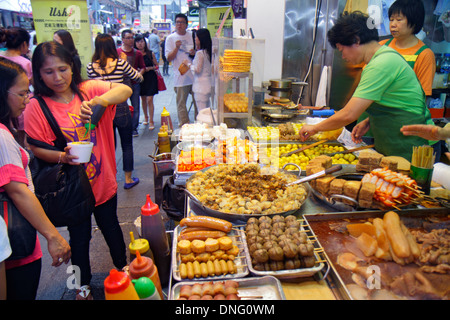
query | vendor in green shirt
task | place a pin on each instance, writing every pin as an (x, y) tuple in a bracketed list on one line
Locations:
[(388, 91)]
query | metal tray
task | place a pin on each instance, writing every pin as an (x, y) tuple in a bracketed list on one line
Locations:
[(288, 274), (260, 288), (240, 261), (236, 218), (335, 277)]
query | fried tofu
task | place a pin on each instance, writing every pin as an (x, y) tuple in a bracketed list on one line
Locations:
[(365, 197), (337, 186), (389, 163), (323, 161), (351, 189), (323, 184)]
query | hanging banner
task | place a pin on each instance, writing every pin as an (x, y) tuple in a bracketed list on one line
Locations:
[(214, 17), (70, 15)]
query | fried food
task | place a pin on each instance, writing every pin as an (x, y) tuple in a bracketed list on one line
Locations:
[(246, 189)]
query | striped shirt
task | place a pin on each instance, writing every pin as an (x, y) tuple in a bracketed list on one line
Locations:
[(121, 70)]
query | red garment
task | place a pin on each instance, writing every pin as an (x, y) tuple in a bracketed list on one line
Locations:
[(102, 169)]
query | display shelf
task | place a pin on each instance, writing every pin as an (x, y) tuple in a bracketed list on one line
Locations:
[(235, 82)]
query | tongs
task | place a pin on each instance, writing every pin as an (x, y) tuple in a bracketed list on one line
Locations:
[(316, 175)]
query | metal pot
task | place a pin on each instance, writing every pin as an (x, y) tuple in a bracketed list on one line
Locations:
[(280, 84), (282, 88)]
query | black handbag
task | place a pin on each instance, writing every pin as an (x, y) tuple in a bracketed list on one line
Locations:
[(21, 234), (63, 190)]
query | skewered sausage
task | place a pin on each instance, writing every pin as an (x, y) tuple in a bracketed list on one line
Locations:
[(208, 222)]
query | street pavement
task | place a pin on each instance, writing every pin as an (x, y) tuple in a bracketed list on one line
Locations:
[(56, 283)]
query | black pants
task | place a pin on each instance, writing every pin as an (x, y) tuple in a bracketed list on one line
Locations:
[(80, 236), (165, 66), (22, 282)]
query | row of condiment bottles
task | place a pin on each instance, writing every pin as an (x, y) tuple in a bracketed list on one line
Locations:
[(120, 286), (141, 282)]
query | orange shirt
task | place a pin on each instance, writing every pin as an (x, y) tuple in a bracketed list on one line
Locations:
[(425, 66), (101, 170)]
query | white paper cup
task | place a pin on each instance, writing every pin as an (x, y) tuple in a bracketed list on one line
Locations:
[(81, 149)]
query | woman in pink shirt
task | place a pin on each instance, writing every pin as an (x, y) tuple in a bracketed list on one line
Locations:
[(22, 274), (65, 93)]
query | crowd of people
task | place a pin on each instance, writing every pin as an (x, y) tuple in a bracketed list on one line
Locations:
[(50, 74)]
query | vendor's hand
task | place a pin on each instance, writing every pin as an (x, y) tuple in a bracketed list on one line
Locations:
[(186, 62), (307, 131), (360, 130), (192, 52), (428, 132), (178, 44), (59, 250)]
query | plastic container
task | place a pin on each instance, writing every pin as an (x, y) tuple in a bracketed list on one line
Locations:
[(166, 120), (146, 289), (81, 149), (163, 142), (441, 174), (118, 286), (140, 245), (154, 231), (144, 267)]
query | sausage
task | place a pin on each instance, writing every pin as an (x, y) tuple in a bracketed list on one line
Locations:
[(196, 267), (208, 222), (191, 229), (396, 237), (223, 266), (201, 235), (190, 270), (210, 266), (183, 271), (204, 269), (231, 267), (217, 267)]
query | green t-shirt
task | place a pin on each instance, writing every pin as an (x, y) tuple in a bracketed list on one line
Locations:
[(398, 98)]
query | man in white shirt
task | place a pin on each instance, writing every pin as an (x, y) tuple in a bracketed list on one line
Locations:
[(154, 42), (179, 46)]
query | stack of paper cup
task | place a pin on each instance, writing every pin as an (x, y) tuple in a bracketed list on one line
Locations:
[(441, 174)]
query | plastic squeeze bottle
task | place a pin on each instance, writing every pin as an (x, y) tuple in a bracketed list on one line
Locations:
[(146, 289), (98, 109), (118, 286), (144, 267), (163, 142), (166, 120), (154, 231), (140, 245)]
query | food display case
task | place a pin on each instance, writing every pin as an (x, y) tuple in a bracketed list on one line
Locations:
[(233, 96)]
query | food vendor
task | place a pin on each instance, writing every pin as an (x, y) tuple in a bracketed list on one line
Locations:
[(388, 91)]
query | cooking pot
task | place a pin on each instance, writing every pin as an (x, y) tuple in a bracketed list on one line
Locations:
[(282, 88)]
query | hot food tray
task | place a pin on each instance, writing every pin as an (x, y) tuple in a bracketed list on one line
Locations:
[(240, 261), (254, 288), (329, 230)]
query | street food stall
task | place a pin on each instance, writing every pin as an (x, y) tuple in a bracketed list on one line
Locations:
[(268, 216), (333, 218)]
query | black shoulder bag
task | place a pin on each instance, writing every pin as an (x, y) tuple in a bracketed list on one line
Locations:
[(21, 234), (64, 190)]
